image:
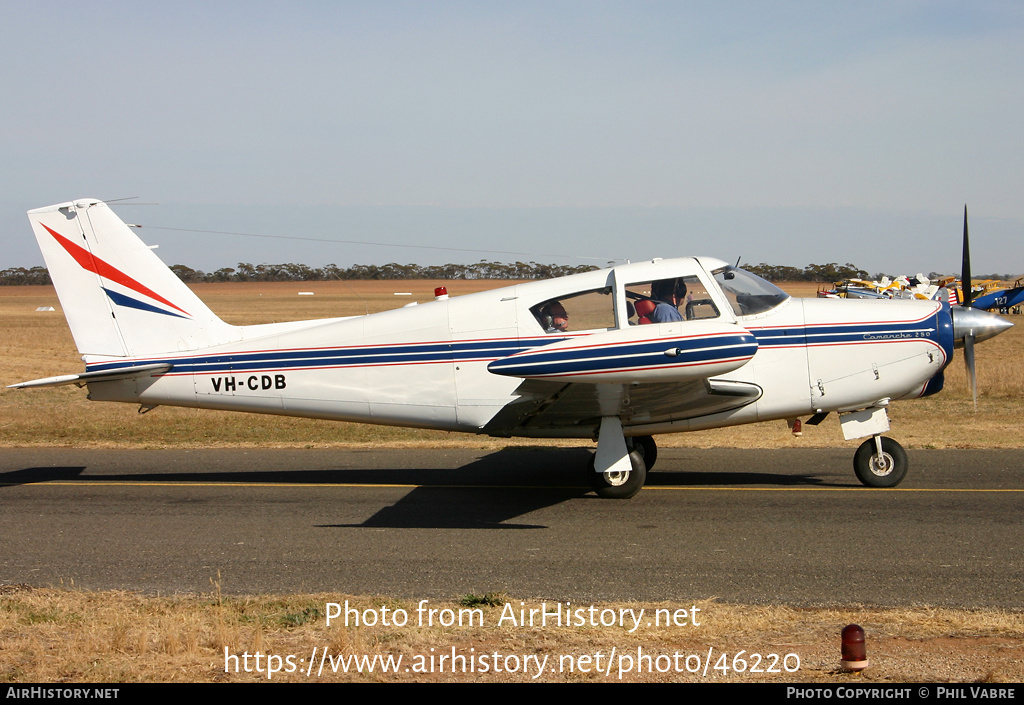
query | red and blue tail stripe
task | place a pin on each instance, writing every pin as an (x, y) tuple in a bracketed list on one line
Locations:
[(94, 264)]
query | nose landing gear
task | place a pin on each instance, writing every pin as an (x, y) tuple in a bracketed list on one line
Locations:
[(880, 462)]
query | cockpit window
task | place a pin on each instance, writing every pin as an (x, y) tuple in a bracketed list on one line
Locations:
[(587, 310), (748, 293), (667, 300)]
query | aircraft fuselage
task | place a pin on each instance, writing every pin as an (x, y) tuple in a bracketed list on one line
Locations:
[(428, 365)]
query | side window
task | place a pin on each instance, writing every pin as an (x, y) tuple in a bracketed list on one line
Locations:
[(666, 300), (587, 310)]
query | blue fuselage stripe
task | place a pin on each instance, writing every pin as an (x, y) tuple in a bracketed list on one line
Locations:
[(637, 356), (429, 353), (832, 334), (641, 354)]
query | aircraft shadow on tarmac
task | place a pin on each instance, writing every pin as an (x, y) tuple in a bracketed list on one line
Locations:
[(486, 493), (483, 494), (521, 467), (29, 476), (534, 477)]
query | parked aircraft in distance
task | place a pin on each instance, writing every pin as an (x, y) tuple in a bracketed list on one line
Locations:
[(1003, 299), (619, 354), (902, 287)]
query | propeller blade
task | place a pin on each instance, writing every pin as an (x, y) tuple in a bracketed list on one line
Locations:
[(965, 285), (972, 378), (965, 266)]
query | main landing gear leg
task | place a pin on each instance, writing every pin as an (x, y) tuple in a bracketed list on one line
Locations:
[(615, 471)]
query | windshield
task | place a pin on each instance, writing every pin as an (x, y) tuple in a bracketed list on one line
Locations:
[(748, 293)]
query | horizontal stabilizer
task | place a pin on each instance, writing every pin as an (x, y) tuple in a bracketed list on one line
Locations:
[(101, 376)]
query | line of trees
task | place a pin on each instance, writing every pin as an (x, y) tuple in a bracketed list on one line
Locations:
[(830, 272), (247, 272), (19, 276)]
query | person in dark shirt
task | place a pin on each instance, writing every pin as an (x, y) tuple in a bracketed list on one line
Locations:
[(667, 294)]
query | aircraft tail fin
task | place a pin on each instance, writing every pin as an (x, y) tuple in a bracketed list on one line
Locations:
[(119, 298)]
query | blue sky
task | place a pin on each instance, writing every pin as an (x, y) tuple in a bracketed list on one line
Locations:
[(781, 132)]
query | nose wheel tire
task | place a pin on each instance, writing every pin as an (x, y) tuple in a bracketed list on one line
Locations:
[(880, 470), (619, 485)]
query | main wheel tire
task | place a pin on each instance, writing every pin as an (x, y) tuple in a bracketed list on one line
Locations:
[(885, 470), (619, 485), (648, 450)]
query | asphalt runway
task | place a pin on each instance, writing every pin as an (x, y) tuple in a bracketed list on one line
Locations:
[(763, 527)]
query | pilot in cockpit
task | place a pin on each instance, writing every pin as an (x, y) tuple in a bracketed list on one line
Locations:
[(554, 317), (667, 295)]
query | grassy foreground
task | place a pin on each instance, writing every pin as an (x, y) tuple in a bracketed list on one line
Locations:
[(57, 635)]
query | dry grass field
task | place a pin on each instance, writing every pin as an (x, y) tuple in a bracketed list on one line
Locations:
[(38, 344), (68, 636), (59, 635)]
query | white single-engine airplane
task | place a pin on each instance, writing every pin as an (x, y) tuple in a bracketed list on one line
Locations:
[(619, 354)]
